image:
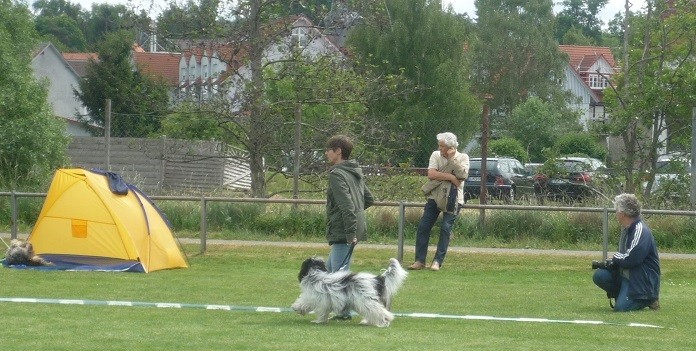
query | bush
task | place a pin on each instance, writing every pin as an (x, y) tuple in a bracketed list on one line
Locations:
[(509, 147), (580, 144)]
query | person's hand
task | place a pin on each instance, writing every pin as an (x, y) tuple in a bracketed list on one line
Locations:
[(451, 152)]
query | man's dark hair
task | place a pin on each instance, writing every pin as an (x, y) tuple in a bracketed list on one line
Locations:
[(341, 142)]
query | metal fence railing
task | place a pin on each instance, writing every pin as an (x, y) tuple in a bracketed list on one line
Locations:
[(400, 204)]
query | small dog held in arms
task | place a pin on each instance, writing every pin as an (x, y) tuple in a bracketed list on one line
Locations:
[(368, 295), (21, 252)]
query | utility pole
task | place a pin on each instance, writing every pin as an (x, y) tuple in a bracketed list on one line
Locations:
[(296, 156), (692, 169), (483, 193)]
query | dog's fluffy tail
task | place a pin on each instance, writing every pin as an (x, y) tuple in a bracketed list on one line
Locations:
[(394, 277)]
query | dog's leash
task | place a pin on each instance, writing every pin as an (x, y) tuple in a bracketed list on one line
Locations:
[(3, 241), (350, 253)]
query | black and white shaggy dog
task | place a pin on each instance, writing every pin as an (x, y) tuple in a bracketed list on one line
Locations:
[(368, 295), (21, 252)]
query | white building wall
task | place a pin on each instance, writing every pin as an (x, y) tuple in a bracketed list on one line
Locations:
[(51, 69), (577, 87)]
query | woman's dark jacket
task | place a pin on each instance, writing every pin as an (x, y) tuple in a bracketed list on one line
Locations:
[(346, 201)]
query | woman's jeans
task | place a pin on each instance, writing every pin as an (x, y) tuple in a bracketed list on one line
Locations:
[(430, 215), (337, 258), (603, 278)]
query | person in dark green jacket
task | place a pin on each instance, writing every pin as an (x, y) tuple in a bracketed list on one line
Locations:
[(347, 198)]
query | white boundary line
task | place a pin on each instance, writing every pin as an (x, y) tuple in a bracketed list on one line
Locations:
[(283, 309)]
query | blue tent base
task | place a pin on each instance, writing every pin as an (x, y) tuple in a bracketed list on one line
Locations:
[(83, 263)]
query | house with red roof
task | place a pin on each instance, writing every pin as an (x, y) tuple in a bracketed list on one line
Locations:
[(209, 69), (50, 66), (587, 75)]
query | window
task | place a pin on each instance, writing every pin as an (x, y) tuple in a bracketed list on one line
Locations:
[(595, 81), (299, 37)]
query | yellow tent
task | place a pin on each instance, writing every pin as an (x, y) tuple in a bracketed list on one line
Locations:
[(93, 220)]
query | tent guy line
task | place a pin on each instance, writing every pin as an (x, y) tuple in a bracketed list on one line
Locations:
[(285, 309)]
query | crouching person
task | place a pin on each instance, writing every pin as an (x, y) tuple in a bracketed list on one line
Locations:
[(632, 275)]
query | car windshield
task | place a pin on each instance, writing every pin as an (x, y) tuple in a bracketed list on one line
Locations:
[(476, 164), (576, 166)]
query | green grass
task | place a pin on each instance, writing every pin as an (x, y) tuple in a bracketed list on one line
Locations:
[(535, 286)]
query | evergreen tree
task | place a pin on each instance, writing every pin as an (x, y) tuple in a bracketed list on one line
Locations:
[(515, 55), (416, 40), (138, 101)]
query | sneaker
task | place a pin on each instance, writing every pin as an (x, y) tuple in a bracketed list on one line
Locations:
[(341, 317), (655, 305), (435, 266), (417, 266)]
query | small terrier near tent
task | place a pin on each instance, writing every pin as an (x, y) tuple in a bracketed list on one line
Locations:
[(21, 252)]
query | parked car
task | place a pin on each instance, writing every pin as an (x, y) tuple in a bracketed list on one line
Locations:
[(532, 168), (505, 179), (672, 175), (571, 179)]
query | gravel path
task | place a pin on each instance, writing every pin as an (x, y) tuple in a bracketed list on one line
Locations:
[(408, 250)]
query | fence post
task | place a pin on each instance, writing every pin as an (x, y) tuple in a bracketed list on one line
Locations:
[(605, 230), (204, 224), (163, 165), (13, 206), (402, 222)]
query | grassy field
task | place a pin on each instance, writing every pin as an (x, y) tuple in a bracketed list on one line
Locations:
[(498, 285)]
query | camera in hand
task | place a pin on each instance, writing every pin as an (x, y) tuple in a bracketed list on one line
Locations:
[(606, 264)]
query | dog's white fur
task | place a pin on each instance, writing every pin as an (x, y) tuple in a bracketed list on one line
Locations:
[(22, 253), (368, 295)]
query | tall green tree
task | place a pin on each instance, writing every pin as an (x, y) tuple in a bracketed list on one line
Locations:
[(192, 20), (419, 41), (654, 92), (104, 19), (580, 15), (138, 102), (32, 140), (61, 22), (538, 125), (55, 8), (515, 55), (63, 31)]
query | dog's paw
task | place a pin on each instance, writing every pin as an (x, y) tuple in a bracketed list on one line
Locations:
[(299, 309)]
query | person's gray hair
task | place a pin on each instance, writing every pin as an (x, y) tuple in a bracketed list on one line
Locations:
[(449, 139), (627, 204)]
